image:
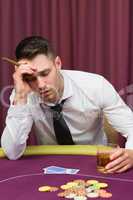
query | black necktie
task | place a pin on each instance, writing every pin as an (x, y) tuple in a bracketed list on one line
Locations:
[(61, 129)]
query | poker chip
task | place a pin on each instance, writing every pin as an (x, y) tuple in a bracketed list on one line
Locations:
[(44, 188), (65, 187), (91, 182), (93, 195), (80, 182), (103, 185), (106, 195), (70, 196), (72, 184), (101, 191), (61, 194), (53, 189), (96, 186), (81, 192), (89, 189), (80, 198)]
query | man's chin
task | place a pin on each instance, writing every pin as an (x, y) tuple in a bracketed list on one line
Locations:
[(48, 99)]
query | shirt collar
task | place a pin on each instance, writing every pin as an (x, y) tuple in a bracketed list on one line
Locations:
[(68, 90)]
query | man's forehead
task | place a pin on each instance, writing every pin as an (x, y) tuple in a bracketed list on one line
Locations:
[(40, 67), (40, 63)]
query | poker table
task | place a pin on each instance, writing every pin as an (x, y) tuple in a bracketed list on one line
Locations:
[(20, 179)]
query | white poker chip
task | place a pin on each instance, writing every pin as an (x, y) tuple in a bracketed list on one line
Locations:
[(89, 189), (80, 198), (70, 196), (92, 195)]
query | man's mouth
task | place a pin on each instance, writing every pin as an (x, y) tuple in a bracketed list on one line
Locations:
[(43, 91)]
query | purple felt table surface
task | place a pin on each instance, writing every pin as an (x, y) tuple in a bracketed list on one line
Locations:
[(20, 180)]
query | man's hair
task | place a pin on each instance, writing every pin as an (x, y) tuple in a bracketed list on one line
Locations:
[(32, 46)]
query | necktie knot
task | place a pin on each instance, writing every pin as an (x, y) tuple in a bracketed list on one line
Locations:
[(57, 107), (57, 110)]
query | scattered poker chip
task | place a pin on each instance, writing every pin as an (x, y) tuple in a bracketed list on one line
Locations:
[(61, 194), (89, 189), (96, 186), (53, 189), (103, 185), (44, 188), (80, 198), (70, 196), (65, 187), (106, 195), (80, 182), (101, 191), (91, 182), (72, 184), (93, 195), (81, 192)]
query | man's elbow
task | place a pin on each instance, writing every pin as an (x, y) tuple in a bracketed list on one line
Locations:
[(13, 153)]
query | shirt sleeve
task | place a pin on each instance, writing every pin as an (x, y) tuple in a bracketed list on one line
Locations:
[(117, 112), (18, 126)]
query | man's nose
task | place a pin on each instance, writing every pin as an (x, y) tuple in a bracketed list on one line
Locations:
[(41, 82)]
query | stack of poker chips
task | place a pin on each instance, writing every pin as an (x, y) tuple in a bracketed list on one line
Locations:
[(80, 189)]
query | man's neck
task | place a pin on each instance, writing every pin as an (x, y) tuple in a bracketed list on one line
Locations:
[(61, 86)]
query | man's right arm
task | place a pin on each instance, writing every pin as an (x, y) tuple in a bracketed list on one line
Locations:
[(18, 125), (19, 120)]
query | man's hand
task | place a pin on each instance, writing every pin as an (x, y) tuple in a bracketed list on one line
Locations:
[(121, 160), (22, 88)]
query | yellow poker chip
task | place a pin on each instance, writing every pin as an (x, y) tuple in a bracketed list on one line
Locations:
[(64, 187), (53, 189), (44, 188), (102, 185), (91, 182), (72, 184), (79, 181)]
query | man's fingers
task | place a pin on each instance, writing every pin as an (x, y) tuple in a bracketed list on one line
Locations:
[(117, 153), (120, 161), (123, 169), (118, 166)]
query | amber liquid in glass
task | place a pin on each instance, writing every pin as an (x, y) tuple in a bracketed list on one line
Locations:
[(102, 160)]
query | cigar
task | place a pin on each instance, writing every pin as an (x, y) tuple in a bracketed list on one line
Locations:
[(10, 61), (26, 77)]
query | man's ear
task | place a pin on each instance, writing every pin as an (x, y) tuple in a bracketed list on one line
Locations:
[(58, 62)]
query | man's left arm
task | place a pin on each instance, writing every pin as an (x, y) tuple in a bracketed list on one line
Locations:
[(120, 117)]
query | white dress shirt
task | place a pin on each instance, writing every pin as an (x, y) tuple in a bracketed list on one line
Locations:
[(88, 95)]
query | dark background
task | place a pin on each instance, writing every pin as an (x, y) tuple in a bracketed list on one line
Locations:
[(90, 35)]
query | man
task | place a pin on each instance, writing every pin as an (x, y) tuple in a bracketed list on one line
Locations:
[(39, 83)]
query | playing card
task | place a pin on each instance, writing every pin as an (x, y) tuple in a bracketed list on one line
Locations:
[(59, 170)]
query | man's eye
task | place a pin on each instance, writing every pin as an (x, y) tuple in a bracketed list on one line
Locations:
[(43, 73)]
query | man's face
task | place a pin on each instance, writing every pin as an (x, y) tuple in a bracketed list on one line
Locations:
[(47, 80)]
